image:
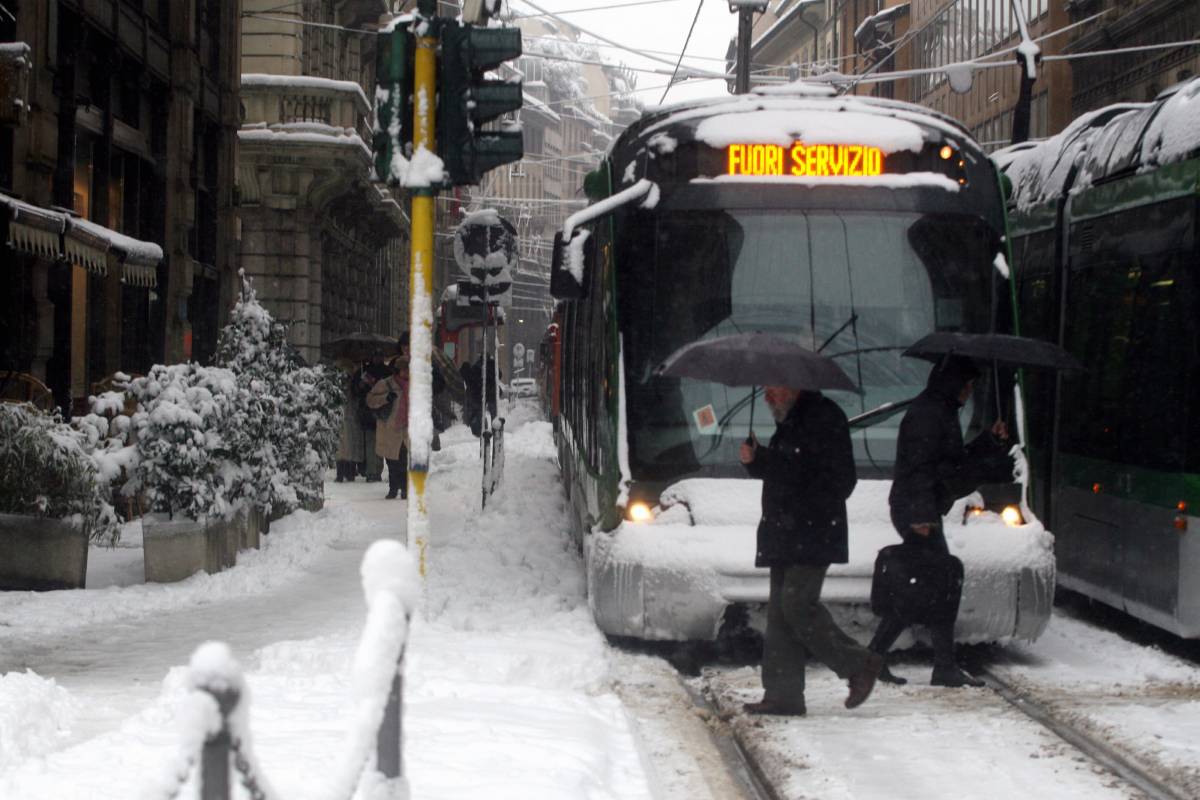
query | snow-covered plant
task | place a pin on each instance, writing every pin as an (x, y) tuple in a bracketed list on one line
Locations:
[(314, 426), (181, 431), (47, 470), (254, 347), (287, 433)]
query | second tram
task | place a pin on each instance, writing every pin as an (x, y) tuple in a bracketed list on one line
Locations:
[(854, 224), (1104, 225)]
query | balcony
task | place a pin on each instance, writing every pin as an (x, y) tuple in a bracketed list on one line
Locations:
[(283, 110)]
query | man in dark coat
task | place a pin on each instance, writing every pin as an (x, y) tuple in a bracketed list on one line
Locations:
[(932, 470), (807, 472)]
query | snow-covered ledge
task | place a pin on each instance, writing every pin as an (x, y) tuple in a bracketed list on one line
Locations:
[(301, 105)]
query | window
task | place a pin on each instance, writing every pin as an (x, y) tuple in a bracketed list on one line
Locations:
[(1133, 321)]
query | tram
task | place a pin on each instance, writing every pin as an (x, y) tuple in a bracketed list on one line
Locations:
[(1104, 224), (857, 225)]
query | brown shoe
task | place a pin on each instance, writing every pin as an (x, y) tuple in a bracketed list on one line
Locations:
[(863, 682), (774, 708)]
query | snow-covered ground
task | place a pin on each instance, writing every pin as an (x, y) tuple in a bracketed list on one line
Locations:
[(510, 691)]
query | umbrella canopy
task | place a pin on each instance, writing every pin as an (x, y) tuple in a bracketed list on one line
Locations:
[(996, 348), (360, 346), (756, 359)]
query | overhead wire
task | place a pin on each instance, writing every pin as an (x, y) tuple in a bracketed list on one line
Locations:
[(682, 52)]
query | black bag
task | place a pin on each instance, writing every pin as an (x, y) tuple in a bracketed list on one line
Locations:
[(917, 585)]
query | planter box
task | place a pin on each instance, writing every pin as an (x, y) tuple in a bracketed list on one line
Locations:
[(177, 548), (255, 527), (38, 553)]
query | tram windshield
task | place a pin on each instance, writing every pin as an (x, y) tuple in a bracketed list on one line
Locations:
[(857, 286)]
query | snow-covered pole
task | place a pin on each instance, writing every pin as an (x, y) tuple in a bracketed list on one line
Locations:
[(420, 401), (1028, 55)]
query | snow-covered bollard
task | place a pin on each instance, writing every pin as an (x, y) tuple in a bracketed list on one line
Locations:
[(215, 722), (392, 588)]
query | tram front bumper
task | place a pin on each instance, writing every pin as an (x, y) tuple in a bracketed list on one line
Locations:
[(675, 583)]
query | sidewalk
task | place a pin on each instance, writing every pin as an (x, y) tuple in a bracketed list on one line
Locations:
[(507, 683)]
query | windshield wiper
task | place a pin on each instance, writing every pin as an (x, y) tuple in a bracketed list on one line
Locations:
[(879, 414), (853, 319)]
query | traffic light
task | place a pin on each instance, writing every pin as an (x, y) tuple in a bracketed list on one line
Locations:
[(393, 99), (467, 100)]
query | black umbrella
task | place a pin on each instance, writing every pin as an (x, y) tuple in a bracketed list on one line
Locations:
[(360, 346), (997, 348), (756, 359)]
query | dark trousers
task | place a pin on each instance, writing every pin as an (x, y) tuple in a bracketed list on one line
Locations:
[(941, 636), (799, 625), (398, 473)]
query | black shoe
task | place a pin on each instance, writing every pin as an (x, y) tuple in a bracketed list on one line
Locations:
[(887, 676), (390, 495), (404, 495), (863, 682), (953, 677), (775, 708), (339, 479)]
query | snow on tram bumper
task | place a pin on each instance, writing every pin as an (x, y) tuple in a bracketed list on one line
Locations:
[(674, 577)]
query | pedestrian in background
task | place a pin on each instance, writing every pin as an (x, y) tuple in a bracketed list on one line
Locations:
[(807, 472), (932, 470), (350, 444), (372, 372), (388, 398)]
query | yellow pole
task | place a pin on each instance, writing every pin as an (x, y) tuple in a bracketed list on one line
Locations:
[(420, 301)]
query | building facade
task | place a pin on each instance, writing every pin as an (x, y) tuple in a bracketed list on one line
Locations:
[(325, 244), (117, 140), (1130, 77)]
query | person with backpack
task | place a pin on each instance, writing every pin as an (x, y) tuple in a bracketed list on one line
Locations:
[(388, 399), (932, 470), (807, 472)]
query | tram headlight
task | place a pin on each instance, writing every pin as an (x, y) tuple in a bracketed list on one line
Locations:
[(639, 512), (1012, 516)]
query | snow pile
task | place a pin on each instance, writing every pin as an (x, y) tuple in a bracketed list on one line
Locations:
[(294, 545), (784, 127), (38, 716), (1174, 134)]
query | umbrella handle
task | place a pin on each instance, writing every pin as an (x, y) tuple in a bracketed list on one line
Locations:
[(753, 397)]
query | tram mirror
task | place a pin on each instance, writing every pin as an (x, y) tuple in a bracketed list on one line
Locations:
[(569, 276), (594, 186)]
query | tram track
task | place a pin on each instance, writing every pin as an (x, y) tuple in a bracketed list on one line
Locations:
[(740, 745), (1111, 758)]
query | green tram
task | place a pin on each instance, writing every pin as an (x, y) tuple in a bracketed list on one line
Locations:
[(1104, 227), (857, 225)]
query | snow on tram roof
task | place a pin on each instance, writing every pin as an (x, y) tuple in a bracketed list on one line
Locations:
[(769, 115), (1109, 141)]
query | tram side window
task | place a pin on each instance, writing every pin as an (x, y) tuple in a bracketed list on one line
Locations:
[(1133, 321)]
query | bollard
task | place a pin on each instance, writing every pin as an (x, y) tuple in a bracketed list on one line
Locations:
[(214, 758), (389, 744)]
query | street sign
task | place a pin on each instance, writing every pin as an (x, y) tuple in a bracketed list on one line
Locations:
[(485, 247)]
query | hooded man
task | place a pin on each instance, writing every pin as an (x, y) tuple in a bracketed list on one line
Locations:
[(933, 469), (807, 472)]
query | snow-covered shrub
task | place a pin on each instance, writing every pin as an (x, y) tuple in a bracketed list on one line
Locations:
[(288, 432), (253, 347), (314, 422), (181, 432), (47, 470)]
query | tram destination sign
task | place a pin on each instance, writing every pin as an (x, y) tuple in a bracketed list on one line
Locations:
[(804, 160)]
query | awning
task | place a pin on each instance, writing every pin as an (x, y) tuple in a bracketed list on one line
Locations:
[(86, 249), (56, 235), (34, 230)]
